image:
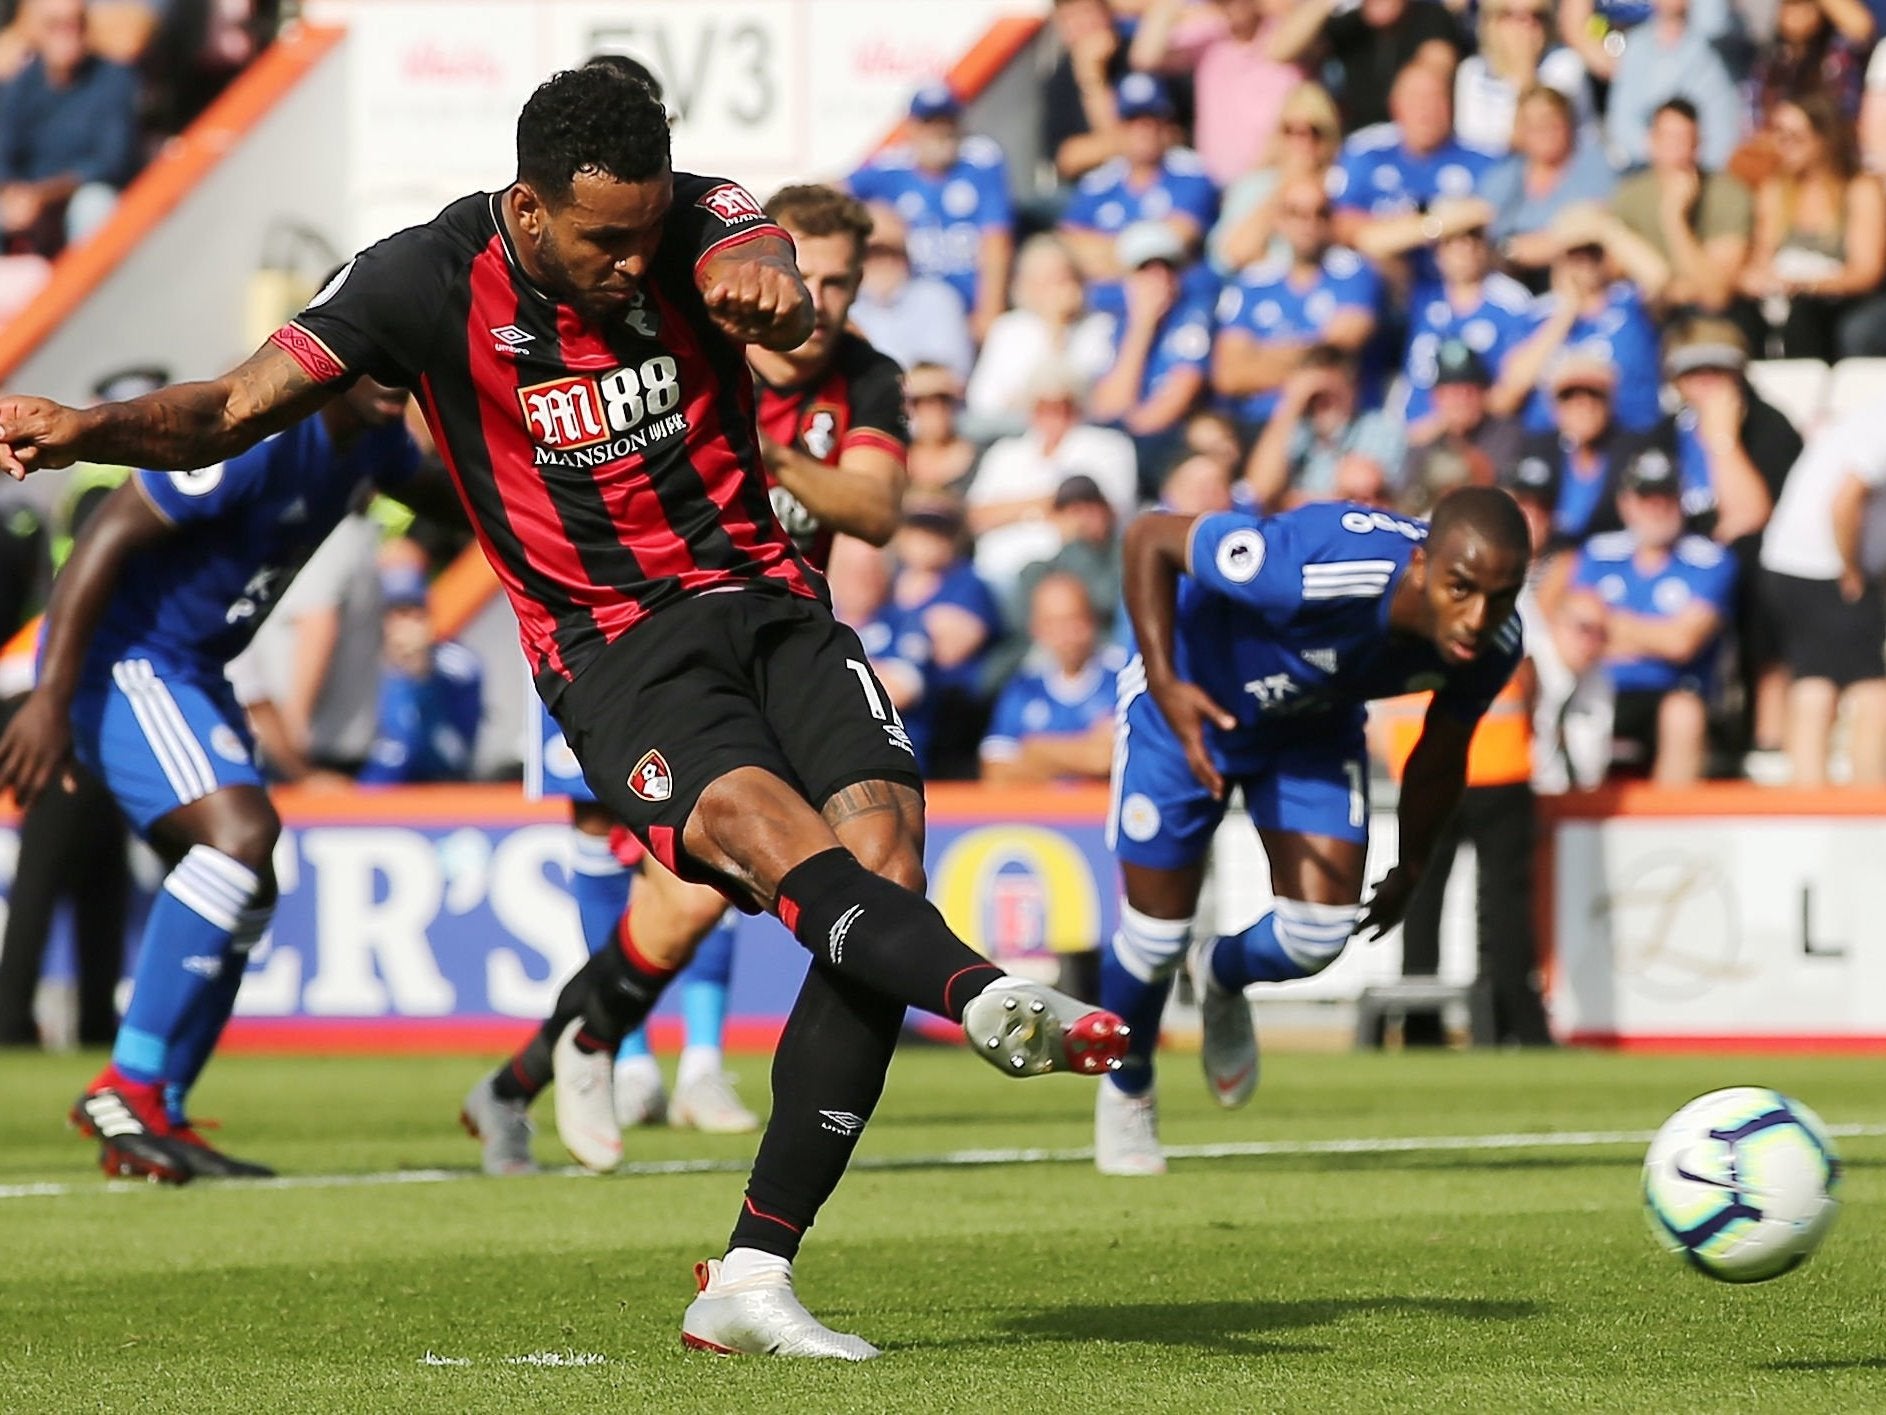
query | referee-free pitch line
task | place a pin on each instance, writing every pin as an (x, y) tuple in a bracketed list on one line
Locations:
[(1230, 1149)]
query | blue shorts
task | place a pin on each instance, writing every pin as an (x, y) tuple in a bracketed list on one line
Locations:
[(1162, 818), (550, 767), (160, 743)]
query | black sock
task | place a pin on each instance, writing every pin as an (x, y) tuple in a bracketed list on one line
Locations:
[(525, 1074), (827, 1076), (883, 935), (620, 988)]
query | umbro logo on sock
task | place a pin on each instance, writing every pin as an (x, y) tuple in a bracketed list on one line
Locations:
[(841, 1122), (204, 965), (835, 941)]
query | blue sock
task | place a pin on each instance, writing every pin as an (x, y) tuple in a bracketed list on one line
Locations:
[(1135, 980), (182, 960), (203, 1028), (1294, 940), (599, 883), (633, 1045), (704, 990)]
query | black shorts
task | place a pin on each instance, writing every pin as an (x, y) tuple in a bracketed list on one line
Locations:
[(1634, 730), (720, 681), (1822, 633)]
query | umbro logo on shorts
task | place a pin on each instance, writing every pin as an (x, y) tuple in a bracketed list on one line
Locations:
[(651, 779)]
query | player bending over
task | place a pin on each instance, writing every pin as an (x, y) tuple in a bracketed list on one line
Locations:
[(834, 434), (1261, 639), (576, 343), (169, 581)]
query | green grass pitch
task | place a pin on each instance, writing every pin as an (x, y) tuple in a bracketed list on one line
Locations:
[(1510, 1279)]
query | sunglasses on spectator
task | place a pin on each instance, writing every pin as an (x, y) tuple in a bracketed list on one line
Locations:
[(917, 398), (1308, 213), (1520, 12), (1591, 628), (1583, 390), (1304, 130)]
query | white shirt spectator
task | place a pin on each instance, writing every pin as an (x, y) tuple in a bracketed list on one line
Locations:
[(923, 323), (1486, 104), (1019, 343), (1018, 469), (1572, 713), (1799, 539)]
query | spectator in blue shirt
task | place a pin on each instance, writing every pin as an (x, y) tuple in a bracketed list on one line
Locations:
[(1471, 302), (1574, 465), (1272, 313), (1389, 175), (937, 593), (1603, 281), (431, 694), (1669, 56), (1554, 165), (952, 193), (1151, 180), (1595, 29), (1161, 346), (68, 132), (1318, 446), (1667, 596), (913, 319), (1054, 719)]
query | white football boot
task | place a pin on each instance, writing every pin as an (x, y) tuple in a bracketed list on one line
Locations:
[(1025, 1028), (502, 1127), (586, 1108), (707, 1103), (1228, 1044), (1126, 1133), (761, 1316), (640, 1098)]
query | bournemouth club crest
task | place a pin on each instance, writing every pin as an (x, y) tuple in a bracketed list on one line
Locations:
[(650, 780)]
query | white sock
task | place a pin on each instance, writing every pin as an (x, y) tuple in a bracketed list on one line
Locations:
[(743, 1263), (696, 1063), (641, 1068)]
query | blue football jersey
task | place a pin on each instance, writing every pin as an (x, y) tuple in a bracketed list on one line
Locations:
[(1183, 339), (1041, 698), (1377, 176), (1697, 570), (1107, 200), (192, 602), (1264, 303), (1283, 621), (427, 726), (946, 213), (1502, 319), (1625, 337)]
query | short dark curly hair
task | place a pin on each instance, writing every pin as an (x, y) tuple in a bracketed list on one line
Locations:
[(595, 118)]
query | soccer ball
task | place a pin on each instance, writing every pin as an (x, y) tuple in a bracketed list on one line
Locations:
[(1740, 1184)]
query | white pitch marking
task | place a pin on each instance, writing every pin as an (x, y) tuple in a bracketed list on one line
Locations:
[(1230, 1149)]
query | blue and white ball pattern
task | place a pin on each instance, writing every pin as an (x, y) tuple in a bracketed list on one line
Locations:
[(1740, 1184)]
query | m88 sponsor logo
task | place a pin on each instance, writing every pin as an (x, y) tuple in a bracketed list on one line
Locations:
[(568, 413)]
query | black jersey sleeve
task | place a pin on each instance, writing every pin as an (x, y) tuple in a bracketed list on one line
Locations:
[(378, 315), (711, 215), (878, 418)]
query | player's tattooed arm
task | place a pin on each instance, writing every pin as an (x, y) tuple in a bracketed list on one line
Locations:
[(1157, 545), (37, 742), (754, 294), (184, 426), (1431, 787)]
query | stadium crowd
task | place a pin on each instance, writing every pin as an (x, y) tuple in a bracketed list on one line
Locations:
[(1279, 252), (1298, 251)]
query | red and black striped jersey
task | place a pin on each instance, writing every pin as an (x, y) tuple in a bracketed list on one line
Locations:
[(608, 470), (857, 399)]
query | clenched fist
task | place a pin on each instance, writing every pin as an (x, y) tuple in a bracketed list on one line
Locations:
[(36, 435), (760, 302)]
